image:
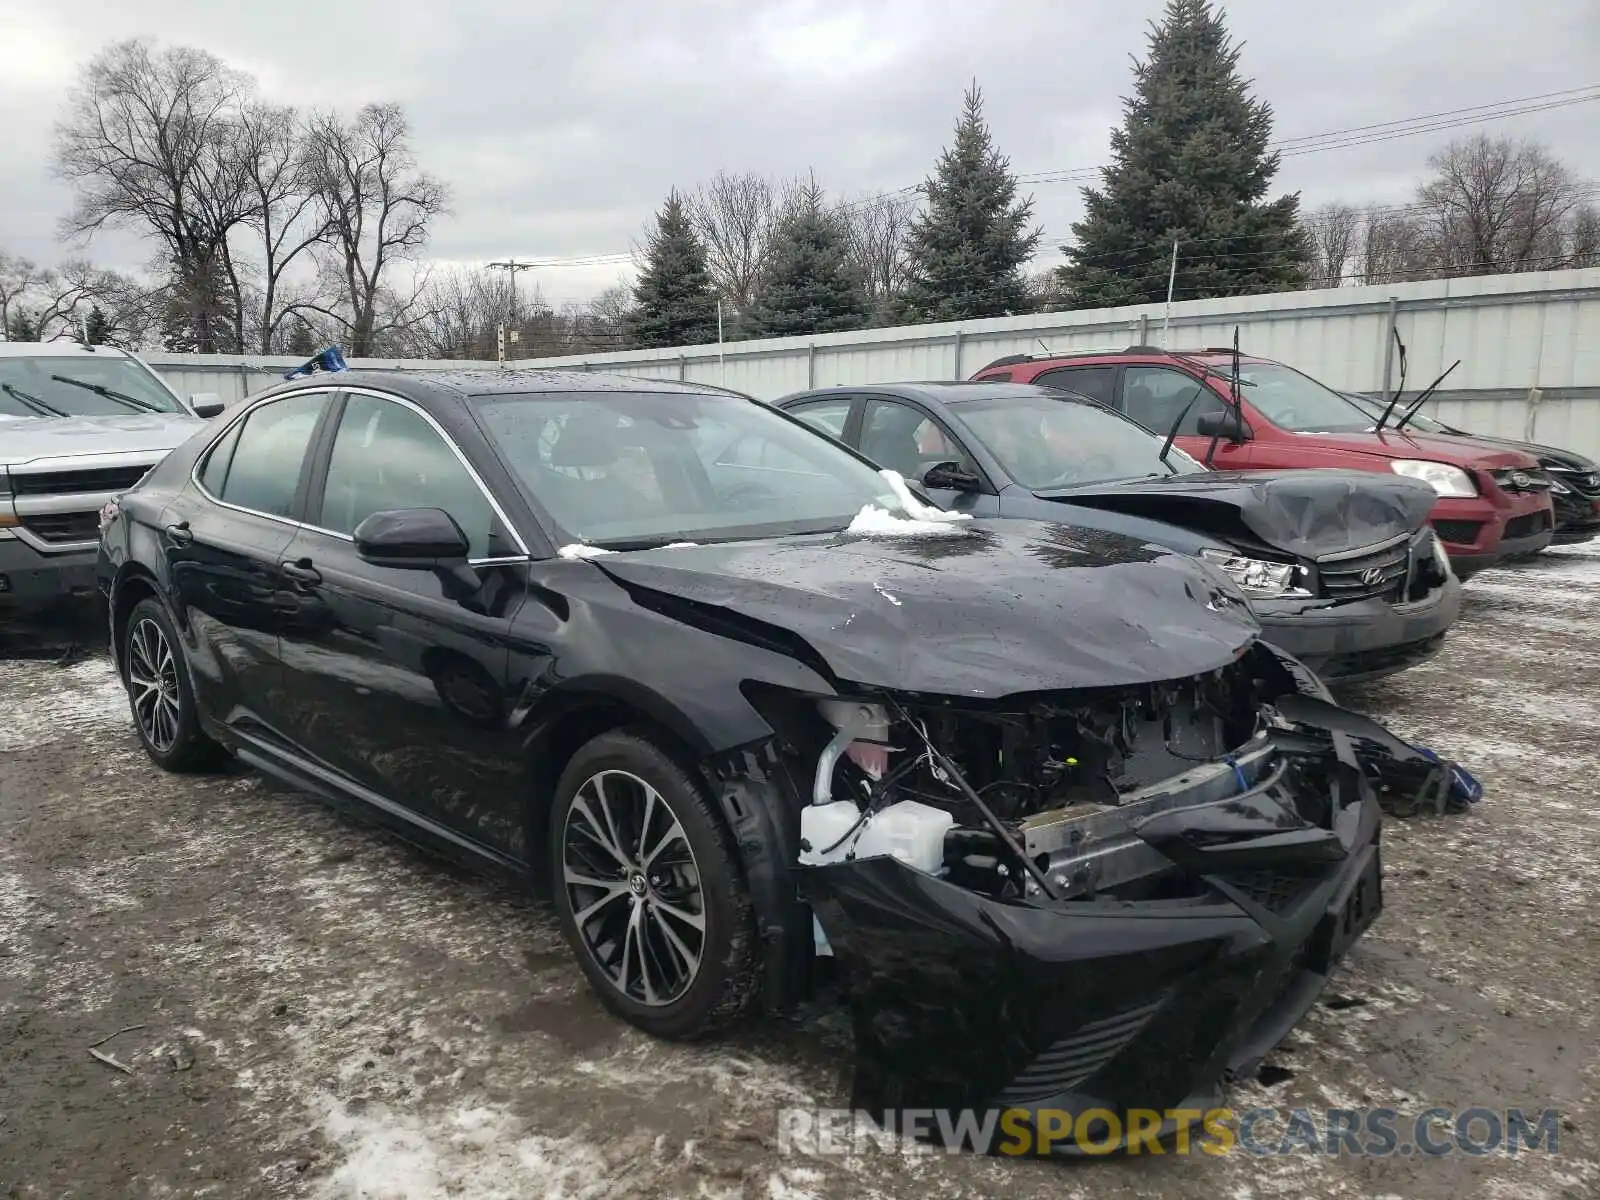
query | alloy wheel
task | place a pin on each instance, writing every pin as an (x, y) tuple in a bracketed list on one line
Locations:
[(634, 888), (153, 683)]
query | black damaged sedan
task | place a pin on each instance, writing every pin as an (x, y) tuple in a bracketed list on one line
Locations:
[(1073, 836)]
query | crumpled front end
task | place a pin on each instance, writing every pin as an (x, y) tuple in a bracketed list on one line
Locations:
[(1136, 893)]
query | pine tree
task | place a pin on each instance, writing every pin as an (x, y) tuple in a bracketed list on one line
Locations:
[(677, 303), (810, 284), (968, 248), (96, 329), (301, 343), (23, 326), (1190, 163)]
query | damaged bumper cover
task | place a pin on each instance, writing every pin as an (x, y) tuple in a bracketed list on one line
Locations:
[(1177, 936), (1360, 640)]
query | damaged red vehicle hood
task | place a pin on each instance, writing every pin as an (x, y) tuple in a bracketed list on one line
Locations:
[(998, 608)]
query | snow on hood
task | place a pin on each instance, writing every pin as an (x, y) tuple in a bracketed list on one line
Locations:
[(918, 518)]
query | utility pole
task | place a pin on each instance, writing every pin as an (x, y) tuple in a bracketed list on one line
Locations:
[(511, 266), (1172, 278)]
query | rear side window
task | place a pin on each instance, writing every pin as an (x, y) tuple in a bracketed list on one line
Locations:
[(829, 416), (264, 457), (1097, 383)]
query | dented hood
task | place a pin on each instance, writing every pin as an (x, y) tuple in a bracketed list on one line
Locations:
[(997, 608), (1305, 513)]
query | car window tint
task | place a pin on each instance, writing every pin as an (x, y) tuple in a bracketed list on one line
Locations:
[(1097, 383), (387, 456), (265, 470), (1154, 396), (827, 415), (214, 473), (900, 437)]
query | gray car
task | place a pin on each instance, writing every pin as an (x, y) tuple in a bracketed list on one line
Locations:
[(1340, 566), (78, 424)]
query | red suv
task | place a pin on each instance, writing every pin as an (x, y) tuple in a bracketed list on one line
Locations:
[(1493, 503)]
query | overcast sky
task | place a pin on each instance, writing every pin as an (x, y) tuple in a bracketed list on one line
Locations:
[(560, 126)]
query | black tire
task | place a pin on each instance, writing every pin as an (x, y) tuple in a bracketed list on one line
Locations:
[(187, 748), (725, 979)]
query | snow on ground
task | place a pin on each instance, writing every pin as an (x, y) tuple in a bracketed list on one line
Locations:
[(325, 1013)]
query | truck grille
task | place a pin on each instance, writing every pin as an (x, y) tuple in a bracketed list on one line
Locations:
[(67, 483), (63, 527), (1381, 574)]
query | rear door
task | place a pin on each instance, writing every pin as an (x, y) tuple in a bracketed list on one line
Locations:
[(837, 416), (223, 539), (399, 684), (1155, 395)]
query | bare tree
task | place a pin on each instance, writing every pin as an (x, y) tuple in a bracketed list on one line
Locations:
[(148, 144), (18, 278), (1331, 233), (1393, 248), (734, 217), (1583, 238), (377, 207), (875, 230), (1497, 205), (284, 216)]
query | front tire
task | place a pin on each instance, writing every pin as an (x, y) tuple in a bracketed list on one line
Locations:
[(156, 676), (648, 889)]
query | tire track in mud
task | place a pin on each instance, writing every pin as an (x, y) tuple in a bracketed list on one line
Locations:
[(330, 1014)]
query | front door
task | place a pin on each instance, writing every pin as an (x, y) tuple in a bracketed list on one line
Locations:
[(400, 688), (1154, 396), (224, 539)]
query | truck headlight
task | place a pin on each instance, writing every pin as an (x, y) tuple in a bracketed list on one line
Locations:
[(1256, 577), (1442, 477)]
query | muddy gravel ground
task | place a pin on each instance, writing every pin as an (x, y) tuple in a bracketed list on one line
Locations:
[(320, 1011)]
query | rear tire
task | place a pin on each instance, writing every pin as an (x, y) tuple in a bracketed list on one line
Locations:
[(667, 936), (156, 676)]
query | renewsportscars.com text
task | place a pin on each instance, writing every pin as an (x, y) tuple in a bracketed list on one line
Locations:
[(1369, 1132)]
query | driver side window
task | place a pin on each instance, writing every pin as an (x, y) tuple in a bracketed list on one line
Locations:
[(1154, 396), (900, 437), (387, 456)]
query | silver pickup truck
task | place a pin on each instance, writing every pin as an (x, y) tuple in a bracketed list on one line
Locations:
[(77, 425)]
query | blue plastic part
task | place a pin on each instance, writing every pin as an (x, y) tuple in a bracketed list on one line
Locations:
[(1238, 772), (1463, 784), (327, 361)]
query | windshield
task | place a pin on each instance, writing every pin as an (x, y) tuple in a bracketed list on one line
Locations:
[(633, 469), (1044, 442), (1368, 405), (34, 387), (1298, 402)]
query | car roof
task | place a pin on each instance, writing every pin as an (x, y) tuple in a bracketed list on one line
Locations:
[(944, 391), (490, 381)]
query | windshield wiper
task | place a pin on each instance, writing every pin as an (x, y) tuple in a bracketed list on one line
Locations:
[(101, 389), (1426, 392), (32, 401), (1233, 399), (1166, 446), (1388, 412)]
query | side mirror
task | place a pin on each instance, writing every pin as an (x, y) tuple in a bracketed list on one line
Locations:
[(951, 475), (206, 404), (419, 539), (1228, 425)]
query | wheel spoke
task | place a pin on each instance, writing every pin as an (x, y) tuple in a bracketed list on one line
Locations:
[(689, 960), (605, 813), (674, 833), (596, 832), (693, 920)]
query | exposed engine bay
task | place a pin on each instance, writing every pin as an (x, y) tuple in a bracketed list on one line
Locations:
[(1060, 795)]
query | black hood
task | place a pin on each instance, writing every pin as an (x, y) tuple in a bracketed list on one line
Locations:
[(1545, 454), (1304, 513), (998, 608)]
